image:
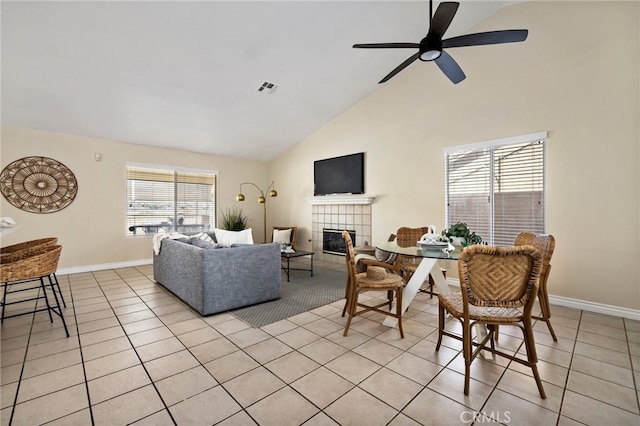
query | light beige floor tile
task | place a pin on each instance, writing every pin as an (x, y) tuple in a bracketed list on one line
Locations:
[(198, 337), (53, 381), (268, 350), (184, 385), (10, 374), (603, 370), (101, 335), (592, 412), (59, 404), (392, 337), (323, 327), (415, 368), (50, 363), (253, 386), (550, 373), (291, 366), (611, 343), (118, 383), (14, 343), (128, 408), (320, 419), (322, 350), (352, 340), (231, 366), (187, 326), (248, 337), (13, 357), (100, 324), (304, 318), (391, 387), (284, 407), (108, 347), (525, 387), (170, 307), (150, 336), (353, 367), (427, 350), (79, 418), (169, 365), (161, 418), (159, 349), (519, 411), (111, 363), (298, 337), (601, 319), (322, 386), (136, 316), (378, 351), (94, 315), (127, 309), (602, 390), (8, 394), (230, 326), (430, 407), (368, 327), (212, 350), (209, 407), (358, 407), (451, 384), (143, 325), (602, 354), (178, 316), (279, 327)]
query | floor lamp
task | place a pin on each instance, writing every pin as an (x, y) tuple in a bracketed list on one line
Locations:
[(261, 199)]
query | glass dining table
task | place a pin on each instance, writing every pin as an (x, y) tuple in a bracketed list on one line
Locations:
[(430, 255)]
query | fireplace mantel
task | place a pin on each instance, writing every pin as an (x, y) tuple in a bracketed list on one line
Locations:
[(340, 199)]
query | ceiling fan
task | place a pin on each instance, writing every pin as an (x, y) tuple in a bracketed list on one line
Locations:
[(431, 48)]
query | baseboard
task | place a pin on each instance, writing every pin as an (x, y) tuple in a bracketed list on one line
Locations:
[(599, 308), (103, 266)]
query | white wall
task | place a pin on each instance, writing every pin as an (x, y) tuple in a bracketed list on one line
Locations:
[(576, 77), (92, 229)]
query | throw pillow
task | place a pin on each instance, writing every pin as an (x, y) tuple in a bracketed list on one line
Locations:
[(282, 236), (204, 237), (227, 238), (195, 241)]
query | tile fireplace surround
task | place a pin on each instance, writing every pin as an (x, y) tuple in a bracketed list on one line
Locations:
[(352, 213)]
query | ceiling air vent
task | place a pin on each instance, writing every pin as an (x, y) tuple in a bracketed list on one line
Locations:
[(268, 87)]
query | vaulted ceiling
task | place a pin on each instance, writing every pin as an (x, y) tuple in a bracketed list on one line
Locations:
[(186, 74)]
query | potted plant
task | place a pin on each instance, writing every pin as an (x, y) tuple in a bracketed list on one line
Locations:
[(459, 235), (234, 220)]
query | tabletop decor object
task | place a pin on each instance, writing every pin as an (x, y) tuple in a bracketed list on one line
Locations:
[(38, 185), (261, 199), (459, 235)]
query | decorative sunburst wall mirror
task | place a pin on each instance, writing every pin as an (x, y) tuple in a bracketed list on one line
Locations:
[(38, 185)]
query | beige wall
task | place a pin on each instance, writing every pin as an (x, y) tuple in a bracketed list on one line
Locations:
[(576, 77), (92, 229)]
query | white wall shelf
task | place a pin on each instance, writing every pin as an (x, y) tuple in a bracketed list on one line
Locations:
[(340, 199)]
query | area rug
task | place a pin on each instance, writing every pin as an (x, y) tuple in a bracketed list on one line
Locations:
[(303, 293)]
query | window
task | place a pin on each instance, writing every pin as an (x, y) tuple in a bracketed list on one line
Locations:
[(165, 199), (497, 188)]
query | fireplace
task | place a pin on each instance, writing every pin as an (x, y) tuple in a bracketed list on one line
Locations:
[(333, 243)]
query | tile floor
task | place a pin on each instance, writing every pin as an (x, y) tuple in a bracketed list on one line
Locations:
[(138, 355)]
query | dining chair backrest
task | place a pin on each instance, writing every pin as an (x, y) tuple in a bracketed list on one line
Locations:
[(501, 277), (409, 237), (545, 243)]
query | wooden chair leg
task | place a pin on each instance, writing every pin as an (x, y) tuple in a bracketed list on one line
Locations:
[(543, 298), (399, 310), (441, 315), (532, 357), (467, 349)]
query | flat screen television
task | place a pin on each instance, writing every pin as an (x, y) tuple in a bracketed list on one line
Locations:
[(339, 175)]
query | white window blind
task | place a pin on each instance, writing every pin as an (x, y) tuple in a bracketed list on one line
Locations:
[(497, 188), (161, 199)]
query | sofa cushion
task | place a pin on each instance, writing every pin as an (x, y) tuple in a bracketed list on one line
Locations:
[(228, 238)]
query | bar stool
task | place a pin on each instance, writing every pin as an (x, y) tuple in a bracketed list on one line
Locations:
[(32, 265)]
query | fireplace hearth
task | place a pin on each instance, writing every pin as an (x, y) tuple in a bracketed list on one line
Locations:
[(333, 243)]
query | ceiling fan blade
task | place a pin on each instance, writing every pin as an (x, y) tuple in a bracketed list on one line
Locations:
[(400, 67), (450, 68), (387, 46), (490, 37), (442, 18)]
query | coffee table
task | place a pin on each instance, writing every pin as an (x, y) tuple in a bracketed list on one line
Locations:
[(297, 253)]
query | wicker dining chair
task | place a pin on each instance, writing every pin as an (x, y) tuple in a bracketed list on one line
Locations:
[(31, 265), (498, 287), (374, 279), (408, 237), (49, 241), (545, 243)]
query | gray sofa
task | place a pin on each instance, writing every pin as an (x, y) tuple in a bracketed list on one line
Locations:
[(214, 279)]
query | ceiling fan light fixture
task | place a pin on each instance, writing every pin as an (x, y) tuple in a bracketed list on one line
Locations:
[(430, 55)]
